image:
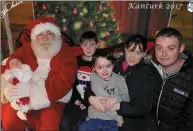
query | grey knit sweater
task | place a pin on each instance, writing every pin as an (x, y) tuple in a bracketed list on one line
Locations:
[(115, 87)]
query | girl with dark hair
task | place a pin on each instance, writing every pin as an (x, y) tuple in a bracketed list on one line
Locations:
[(137, 74)]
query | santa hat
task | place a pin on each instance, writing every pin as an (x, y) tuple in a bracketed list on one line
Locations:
[(8, 61), (37, 26), (85, 69)]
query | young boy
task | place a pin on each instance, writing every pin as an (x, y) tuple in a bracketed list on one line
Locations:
[(74, 110), (105, 83)]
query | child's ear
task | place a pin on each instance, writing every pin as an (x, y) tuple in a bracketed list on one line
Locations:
[(94, 70)]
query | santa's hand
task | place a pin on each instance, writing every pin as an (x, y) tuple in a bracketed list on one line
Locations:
[(81, 90), (23, 89), (10, 92)]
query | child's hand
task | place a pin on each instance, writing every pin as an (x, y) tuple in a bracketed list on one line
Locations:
[(77, 102), (82, 106), (120, 123)]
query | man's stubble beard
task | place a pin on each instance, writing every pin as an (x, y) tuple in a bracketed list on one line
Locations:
[(46, 49)]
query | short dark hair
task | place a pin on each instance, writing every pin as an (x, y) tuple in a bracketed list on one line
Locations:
[(104, 54), (88, 35), (170, 32), (136, 40)]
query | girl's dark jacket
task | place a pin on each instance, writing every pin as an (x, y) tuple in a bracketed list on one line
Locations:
[(140, 83), (136, 113)]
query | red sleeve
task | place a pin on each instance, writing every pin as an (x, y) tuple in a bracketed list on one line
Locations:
[(62, 75)]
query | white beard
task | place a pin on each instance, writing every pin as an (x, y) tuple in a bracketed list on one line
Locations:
[(46, 49)]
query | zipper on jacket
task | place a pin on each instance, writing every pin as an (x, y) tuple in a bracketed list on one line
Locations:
[(160, 95)]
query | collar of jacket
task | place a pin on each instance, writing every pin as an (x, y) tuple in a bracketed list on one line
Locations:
[(187, 55), (122, 58)]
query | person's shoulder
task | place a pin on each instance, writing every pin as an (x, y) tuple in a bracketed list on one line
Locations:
[(147, 69), (79, 57), (117, 76)]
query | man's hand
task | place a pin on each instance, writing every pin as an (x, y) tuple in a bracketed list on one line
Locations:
[(97, 102)]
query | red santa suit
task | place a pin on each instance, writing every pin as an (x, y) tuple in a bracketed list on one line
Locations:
[(47, 93)]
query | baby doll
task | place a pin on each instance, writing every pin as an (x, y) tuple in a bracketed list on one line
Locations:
[(16, 72)]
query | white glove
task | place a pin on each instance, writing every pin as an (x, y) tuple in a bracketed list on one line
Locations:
[(10, 92), (81, 90)]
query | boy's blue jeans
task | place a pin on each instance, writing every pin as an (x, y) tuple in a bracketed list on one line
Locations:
[(99, 125)]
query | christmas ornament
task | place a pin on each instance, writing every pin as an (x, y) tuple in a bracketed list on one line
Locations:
[(103, 24), (90, 24), (102, 34), (113, 18), (71, 19), (43, 6), (35, 4), (64, 29), (85, 10), (107, 34), (117, 29), (81, 14), (64, 20), (100, 7), (120, 41), (74, 12), (56, 7), (105, 15), (77, 25), (55, 11), (108, 4)]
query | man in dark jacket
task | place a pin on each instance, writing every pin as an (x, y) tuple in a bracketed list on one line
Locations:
[(173, 97)]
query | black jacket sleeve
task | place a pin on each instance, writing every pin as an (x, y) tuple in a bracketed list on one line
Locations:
[(143, 102), (187, 124), (87, 94), (75, 94)]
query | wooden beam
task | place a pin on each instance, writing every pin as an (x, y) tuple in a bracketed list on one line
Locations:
[(8, 30)]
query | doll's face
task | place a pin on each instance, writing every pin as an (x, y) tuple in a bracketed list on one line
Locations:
[(15, 64)]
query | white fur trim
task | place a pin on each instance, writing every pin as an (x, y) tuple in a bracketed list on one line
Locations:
[(22, 115), (4, 61), (43, 27), (38, 95)]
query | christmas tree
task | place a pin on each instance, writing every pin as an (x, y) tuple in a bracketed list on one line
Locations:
[(74, 18)]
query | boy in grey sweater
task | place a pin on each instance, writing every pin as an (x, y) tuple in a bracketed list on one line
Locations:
[(105, 83)]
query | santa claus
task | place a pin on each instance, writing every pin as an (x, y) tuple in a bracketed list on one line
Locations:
[(54, 71)]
